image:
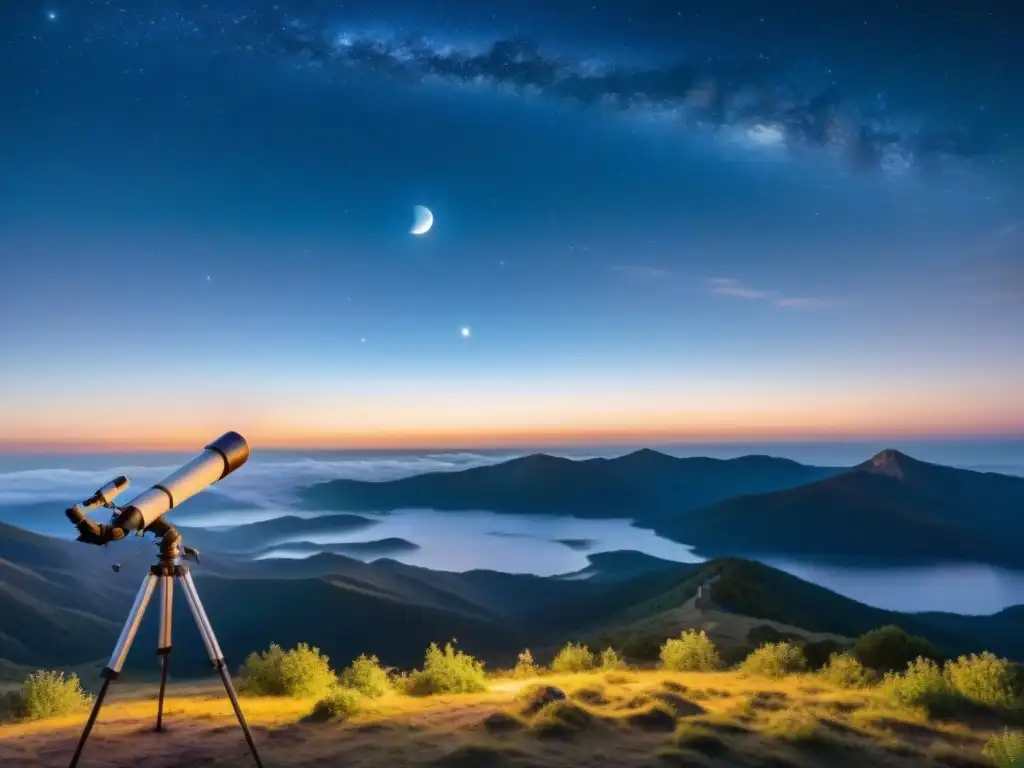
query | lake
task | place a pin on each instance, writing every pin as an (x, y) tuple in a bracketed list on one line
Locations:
[(462, 541)]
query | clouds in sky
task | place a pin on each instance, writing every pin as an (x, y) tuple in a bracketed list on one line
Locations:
[(727, 286), (262, 482)]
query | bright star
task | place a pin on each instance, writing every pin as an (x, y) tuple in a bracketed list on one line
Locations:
[(51, 15), (465, 333)]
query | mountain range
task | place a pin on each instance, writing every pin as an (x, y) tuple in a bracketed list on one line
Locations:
[(642, 485), (61, 605), (889, 509)]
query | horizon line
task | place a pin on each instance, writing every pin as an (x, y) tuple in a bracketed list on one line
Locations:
[(512, 442)]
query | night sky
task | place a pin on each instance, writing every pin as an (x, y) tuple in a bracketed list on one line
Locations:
[(662, 219)]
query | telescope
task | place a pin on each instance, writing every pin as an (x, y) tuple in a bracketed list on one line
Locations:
[(143, 513)]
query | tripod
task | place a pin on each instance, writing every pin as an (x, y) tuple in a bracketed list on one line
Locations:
[(168, 569)]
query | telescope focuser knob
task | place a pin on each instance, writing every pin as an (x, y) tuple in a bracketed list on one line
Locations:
[(190, 553)]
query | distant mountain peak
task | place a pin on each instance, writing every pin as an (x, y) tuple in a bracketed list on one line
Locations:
[(646, 454), (890, 462)]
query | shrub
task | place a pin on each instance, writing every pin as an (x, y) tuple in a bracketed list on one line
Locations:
[(690, 652), (610, 660), (300, 672), (984, 679), (525, 666), (573, 658), (338, 704), (890, 649), (922, 684), (641, 647), (447, 671), (48, 694), (819, 653), (844, 671), (775, 660), (367, 676), (1006, 749)]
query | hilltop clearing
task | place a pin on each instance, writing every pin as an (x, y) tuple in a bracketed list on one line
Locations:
[(633, 719)]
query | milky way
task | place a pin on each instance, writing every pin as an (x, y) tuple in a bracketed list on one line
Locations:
[(749, 100), (760, 103)]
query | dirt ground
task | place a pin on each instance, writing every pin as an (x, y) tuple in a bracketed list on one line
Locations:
[(609, 720)]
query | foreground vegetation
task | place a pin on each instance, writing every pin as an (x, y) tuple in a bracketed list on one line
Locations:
[(777, 707)]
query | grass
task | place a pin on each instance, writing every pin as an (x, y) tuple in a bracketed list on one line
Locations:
[(652, 718), (700, 739)]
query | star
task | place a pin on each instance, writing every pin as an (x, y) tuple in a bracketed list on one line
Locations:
[(465, 333), (51, 15), (209, 279)]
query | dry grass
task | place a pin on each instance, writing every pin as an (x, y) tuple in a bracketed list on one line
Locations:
[(649, 720)]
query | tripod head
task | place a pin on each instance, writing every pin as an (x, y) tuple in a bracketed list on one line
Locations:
[(171, 547)]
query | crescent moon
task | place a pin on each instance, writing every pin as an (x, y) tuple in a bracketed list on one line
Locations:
[(423, 220)]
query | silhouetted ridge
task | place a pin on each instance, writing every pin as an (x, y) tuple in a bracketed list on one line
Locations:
[(889, 509), (644, 455), (644, 485)]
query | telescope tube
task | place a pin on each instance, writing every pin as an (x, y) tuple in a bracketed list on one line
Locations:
[(218, 460)]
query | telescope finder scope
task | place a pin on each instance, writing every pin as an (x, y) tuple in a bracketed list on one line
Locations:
[(104, 497), (218, 460)]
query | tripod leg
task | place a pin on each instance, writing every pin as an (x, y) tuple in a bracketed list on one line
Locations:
[(113, 668), (216, 657), (164, 649)]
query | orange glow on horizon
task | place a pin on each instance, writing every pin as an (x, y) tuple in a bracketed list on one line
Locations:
[(510, 417), (194, 439)]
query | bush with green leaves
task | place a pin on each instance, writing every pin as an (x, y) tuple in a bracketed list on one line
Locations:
[(610, 660), (300, 672), (526, 667), (690, 652), (844, 671), (447, 671), (985, 679), (921, 685), (339, 704), (367, 676), (775, 660), (573, 658), (1006, 749), (47, 693), (890, 649)]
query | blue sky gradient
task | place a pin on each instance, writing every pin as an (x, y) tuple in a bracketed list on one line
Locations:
[(205, 224)]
